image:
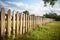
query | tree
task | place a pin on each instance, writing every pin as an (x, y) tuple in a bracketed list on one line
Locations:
[(50, 15), (58, 18), (32, 14), (26, 12), (53, 16), (51, 2)]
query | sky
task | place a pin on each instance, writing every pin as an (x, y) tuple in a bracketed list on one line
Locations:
[(33, 6)]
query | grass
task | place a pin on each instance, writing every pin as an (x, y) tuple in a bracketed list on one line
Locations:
[(50, 31)]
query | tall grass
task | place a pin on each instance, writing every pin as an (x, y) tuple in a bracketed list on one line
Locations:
[(50, 31)]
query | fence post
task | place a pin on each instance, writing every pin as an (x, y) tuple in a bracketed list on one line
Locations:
[(36, 20), (2, 23), (9, 23), (17, 24), (28, 22), (14, 23), (31, 21), (41, 20), (24, 23), (21, 16)]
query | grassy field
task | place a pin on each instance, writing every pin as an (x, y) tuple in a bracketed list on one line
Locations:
[(50, 31)]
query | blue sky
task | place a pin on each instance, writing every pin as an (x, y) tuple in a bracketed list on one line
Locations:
[(33, 6)]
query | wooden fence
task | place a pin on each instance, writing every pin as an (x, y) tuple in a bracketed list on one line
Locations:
[(19, 23)]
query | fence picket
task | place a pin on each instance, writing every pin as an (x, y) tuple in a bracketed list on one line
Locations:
[(2, 23), (9, 23), (21, 23), (21, 30), (14, 23), (17, 23)]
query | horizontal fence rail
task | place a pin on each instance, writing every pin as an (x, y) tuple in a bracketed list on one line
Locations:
[(15, 23)]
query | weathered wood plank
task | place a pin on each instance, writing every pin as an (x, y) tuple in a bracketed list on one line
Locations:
[(21, 16), (14, 23), (24, 23), (9, 23), (28, 22), (17, 24), (2, 23)]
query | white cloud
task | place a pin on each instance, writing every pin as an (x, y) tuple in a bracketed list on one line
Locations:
[(16, 3), (37, 8), (3, 4)]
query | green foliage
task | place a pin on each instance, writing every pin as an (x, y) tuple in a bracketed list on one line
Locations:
[(50, 31), (46, 32), (53, 16), (6, 37), (32, 14), (26, 12), (51, 2)]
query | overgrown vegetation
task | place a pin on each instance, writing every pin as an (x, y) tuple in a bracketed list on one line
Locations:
[(53, 16), (51, 2), (49, 31)]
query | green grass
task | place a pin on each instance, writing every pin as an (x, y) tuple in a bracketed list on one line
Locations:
[(50, 31)]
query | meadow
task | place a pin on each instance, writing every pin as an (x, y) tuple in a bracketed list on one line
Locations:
[(49, 31)]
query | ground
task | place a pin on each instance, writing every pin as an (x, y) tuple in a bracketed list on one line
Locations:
[(49, 31)]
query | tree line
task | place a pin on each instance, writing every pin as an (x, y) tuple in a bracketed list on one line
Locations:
[(47, 15), (53, 16)]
